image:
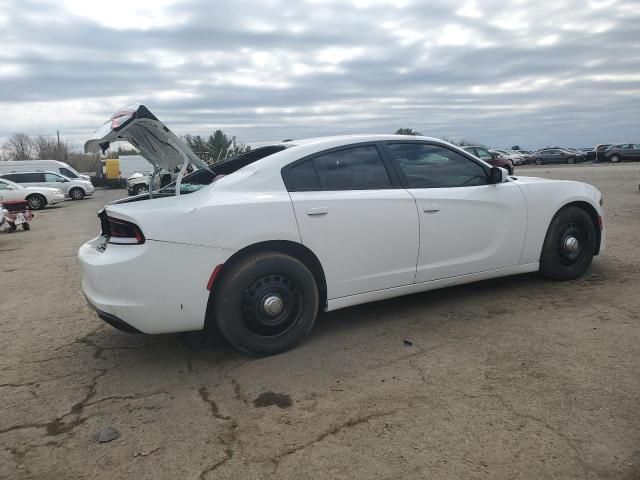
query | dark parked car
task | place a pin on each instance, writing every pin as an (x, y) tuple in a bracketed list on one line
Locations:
[(491, 158), (600, 151), (557, 155), (624, 151)]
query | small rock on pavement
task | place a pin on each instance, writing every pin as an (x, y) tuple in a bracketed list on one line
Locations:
[(408, 343), (107, 434)]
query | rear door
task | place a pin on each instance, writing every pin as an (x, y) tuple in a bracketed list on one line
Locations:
[(466, 224), (354, 215)]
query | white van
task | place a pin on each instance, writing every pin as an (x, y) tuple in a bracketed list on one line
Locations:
[(42, 166)]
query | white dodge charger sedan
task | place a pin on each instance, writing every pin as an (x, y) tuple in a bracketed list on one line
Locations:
[(255, 245)]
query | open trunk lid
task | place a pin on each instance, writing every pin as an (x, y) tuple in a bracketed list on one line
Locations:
[(156, 143)]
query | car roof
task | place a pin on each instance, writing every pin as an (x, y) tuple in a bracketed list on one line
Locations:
[(30, 171), (356, 139)]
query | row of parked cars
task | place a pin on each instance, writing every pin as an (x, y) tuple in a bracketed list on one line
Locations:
[(42, 182), (600, 153)]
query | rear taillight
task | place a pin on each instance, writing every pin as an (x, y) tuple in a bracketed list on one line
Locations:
[(123, 232)]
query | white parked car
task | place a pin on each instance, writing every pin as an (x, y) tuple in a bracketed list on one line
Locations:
[(74, 189), (266, 239), (38, 197)]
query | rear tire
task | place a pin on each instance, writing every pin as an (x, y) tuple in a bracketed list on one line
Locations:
[(615, 158), (571, 160), (36, 201), (26, 226), (539, 161), (266, 303), (76, 194), (569, 245)]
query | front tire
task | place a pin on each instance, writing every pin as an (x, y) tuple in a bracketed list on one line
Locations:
[(569, 245), (615, 158), (140, 189), (571, 160), (36, 202), (266, 303), (76, 194), (539, 161)]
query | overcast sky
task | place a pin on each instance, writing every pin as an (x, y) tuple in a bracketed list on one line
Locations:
[(500, 72)]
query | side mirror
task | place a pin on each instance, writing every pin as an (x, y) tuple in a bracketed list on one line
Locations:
[(494, 155), (498, 175)]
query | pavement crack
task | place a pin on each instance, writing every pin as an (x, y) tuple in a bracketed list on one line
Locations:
[(354, 422), (228, 456), (206, 398)]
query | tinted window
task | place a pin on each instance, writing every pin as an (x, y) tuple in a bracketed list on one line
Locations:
[(26, 177), (4, 186), (302, 177), (352, 169), (67, 173), (432, 166)]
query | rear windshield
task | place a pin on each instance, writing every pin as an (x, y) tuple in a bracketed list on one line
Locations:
[(201, 178)]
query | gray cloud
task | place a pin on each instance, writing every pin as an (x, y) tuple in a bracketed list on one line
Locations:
[(493, 71)]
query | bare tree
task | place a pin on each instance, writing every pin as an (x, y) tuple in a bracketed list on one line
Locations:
[(19, 146), (45, 147)]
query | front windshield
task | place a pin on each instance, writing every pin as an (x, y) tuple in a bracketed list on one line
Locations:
[(10, 183)]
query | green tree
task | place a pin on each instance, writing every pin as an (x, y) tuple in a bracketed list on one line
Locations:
[(407, 131)]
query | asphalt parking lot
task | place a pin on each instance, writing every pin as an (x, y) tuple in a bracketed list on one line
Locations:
[(511, 378)]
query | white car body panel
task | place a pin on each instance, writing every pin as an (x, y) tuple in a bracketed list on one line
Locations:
[(154, 297), (371, 244), (469, 229), (365, 239)]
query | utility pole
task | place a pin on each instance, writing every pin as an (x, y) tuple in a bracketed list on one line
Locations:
[(58, 133)]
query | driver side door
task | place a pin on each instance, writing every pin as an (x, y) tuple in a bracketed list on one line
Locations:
[(467, 225)]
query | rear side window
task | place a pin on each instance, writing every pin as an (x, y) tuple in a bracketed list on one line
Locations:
[(356, 168), (303, 177), (25, 177)]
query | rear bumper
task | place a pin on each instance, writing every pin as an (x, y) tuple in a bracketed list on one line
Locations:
[(156, 287), (112, 320)]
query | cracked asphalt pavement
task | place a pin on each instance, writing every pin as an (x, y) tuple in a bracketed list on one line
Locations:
[(511, 378)]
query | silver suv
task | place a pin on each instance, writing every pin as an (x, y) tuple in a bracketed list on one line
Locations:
[(75, 189)]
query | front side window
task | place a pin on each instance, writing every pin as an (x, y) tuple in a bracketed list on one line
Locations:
[(4, 186), (52, 178), (67, 173), (433, 166), (357, 168)]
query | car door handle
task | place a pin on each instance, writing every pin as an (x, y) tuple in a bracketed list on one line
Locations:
[(317, 211), (431, 208)]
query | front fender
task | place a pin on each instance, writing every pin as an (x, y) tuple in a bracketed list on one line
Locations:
[(544, 200)]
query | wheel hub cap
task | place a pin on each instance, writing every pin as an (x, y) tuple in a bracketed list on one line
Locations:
[(571, 244), (272, 305)]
